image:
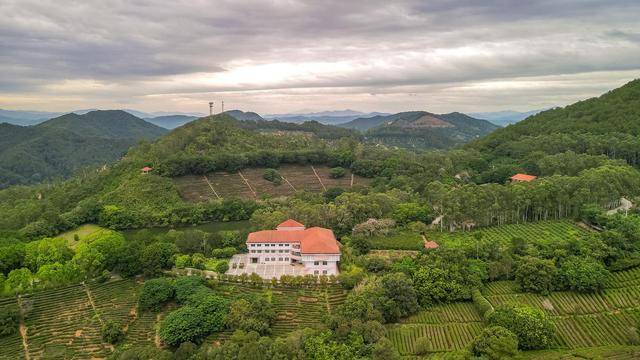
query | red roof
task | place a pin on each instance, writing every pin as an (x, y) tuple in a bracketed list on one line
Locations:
[(146, 168), (290, 223), (523, 177), (431, 245), (315, 240)]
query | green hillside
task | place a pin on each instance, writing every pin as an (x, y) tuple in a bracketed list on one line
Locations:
[(609, 124), (60, 146), (421, 130)]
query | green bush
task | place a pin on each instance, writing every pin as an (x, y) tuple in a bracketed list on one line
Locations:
[(222, 267), (224, 253), (584, 275), (532, 326), (337, 172), (183, 261), (112, 332), (194, 322), (9, 320), (495, 343), (423, 346), (273, 176), (482, 304), (155, 293)]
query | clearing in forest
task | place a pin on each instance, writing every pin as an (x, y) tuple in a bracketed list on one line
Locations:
[(249, 183)]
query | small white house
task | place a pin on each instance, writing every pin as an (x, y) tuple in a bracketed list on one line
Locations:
[(316, 248)]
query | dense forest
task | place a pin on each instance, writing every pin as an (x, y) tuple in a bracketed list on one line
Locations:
[(49, 150)]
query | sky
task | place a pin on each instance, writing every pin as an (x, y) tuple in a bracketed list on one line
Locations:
[(293, 56)]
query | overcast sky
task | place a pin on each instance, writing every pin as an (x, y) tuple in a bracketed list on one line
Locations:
[(285, 56)]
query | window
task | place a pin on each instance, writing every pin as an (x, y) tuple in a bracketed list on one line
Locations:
[(258, 245), (279, 259), (273, 244), (324, 263), (266, 259), (286, 244), (273, 251), (286, 259), (315, 272), (259, 251), (273, 259), (324, 272), (316, 263)]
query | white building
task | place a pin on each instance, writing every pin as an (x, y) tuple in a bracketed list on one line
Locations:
[(316, 248)]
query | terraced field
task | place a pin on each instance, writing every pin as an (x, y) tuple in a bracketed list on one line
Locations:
[(582, 320), (295, 308), (248, 183), (543, 232), (11, 345)]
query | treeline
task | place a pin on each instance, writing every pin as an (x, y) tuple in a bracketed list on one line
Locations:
[(320, 130), (183, 163), (546, 198)]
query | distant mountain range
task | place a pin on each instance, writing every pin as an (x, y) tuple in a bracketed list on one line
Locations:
[(27, 117), (504, 118), (323, 117), (421, 129), (57, 147)]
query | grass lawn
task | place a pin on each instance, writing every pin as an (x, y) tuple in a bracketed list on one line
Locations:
[(208, 227), (82, 231), (403, 240)]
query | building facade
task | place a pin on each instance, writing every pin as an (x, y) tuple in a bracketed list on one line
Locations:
[(316, 249)]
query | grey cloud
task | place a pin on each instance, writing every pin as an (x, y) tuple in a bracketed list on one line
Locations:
[(134, 47)]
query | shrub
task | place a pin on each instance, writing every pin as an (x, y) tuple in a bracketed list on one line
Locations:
[(222, 267), (535, 275), (156, 257), (186, 286), (273, 176), (423, 346), (585, 275), (198, 261), (495, 343), (9, 320), (183, 261), (195, 321), (482, 304), (155, 293), (632, 336), (337, 172), (112, 332), (224, 253), (186, 351), (532, 327)]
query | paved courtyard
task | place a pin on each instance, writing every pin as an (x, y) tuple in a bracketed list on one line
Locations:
[(266, 271)]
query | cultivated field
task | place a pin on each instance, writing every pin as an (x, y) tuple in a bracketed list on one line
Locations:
[(66, 322), (248, 183), (543, 232), (582, 320)]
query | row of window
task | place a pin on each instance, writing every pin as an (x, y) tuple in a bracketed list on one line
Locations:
[(318, 263), (274, 259), (267, 245), (267, 251), (316, 272)]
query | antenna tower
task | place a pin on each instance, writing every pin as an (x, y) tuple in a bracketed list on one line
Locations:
[(211, 108)]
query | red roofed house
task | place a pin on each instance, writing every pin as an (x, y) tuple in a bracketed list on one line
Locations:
[(315, 248), (146, 169), (522, 178)]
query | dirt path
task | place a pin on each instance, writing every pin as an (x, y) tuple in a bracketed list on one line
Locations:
[(211, 186), (290, 184), (248, 185), (319, 179), (93, 305), (351, 185), (23, 330), (157, 341)]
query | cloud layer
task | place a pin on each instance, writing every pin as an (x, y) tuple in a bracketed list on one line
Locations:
[(278, 56)]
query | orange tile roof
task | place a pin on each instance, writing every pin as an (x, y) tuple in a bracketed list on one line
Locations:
[(146, 168), (431, 245), (523, 177), (315, 240), (290, 223)]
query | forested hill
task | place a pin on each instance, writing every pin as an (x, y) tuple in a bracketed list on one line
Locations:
[(421, 129), (58, 147), (223, 142), (615, 114)]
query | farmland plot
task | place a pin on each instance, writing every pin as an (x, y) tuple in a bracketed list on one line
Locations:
[(11, 345)]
